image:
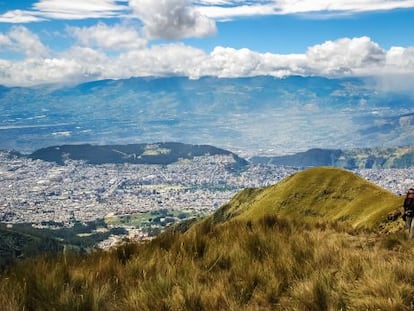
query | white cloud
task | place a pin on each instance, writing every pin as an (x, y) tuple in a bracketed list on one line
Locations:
[(19, 17), (161, 60), (214, 2), (67, 10), (172, 19), (398, 73), (80, 9), (183, 18), (21, 39), (229, 62), (229, 9), (33, 71), (74, 66), (90, 61), (401, 59), (117, 37), (346, 56), (5, 41), (352, 6), (230, 12), (342, 57)]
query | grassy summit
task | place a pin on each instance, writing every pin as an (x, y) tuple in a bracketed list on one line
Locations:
[(321, 193), (256, 253)]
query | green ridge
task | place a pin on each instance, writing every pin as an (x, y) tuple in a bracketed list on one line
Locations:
[(322, 193)]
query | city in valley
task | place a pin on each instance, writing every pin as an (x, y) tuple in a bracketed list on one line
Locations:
[(46, 194)]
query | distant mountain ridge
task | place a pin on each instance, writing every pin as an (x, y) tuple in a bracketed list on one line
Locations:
[(158, 153), (289, 114), (170, 152), (398, 157)]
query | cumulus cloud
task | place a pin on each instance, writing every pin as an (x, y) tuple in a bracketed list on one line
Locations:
[(346, 56), (172, 19), (229, 62), (160, 60), (74, 66), (117, 37), (398, 72), (401, 59), (342, 57), (21, 39)]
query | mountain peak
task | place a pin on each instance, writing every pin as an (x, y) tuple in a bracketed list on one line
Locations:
[(323, 193)]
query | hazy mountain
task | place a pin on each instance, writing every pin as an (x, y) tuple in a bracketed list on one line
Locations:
[(258, 115), (398, 157), (159, 153)]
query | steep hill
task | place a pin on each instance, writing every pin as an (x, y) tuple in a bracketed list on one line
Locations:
[(321, 193), (397, 157)]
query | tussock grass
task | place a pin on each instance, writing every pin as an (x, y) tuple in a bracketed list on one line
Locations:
[(264, 264), (262, 251)]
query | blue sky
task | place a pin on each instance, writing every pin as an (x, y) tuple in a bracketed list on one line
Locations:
[(61, 41)]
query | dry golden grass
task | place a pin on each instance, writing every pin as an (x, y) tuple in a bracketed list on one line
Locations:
[(238, 260), (239, 265)]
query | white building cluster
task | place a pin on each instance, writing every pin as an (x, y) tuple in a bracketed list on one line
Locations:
[(38, 191)]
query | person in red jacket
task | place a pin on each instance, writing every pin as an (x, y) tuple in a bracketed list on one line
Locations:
[(408, 215)]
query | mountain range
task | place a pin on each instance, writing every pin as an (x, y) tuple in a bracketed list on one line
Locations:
[(398, 157), (250, 116), (171, 152)]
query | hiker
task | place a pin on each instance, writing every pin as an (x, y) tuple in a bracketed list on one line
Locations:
[(408, 215)]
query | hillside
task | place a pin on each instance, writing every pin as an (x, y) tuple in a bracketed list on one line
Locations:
[(322, 193), (396, 157), (16, 244), (256, 253), (159, 153), (22, 240)]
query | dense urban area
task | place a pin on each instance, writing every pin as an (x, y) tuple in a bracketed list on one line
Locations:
[(39, 192)]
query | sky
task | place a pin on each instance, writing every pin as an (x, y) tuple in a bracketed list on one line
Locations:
[(69, 42)]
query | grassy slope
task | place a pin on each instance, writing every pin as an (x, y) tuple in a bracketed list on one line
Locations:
[(321, 193), (263, 257), (19, 244)]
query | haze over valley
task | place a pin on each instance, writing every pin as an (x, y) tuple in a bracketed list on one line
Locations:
[(249, 116)]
